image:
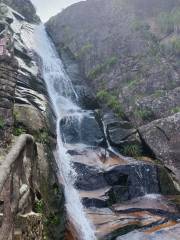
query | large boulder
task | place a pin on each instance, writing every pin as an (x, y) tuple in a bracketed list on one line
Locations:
[(163, 137), (124, 181), (29, 117), (120, 132), (82, 128), (86, 99)]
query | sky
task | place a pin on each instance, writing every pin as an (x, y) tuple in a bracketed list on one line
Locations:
[(48, 8)]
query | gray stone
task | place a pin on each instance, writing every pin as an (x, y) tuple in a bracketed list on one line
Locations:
[(81, 129), (163, 137)]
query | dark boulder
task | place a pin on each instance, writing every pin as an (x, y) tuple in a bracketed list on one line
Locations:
[(133, 180), (81, 129), (89, 178), (86, 99), (121, 134), (124, 181)]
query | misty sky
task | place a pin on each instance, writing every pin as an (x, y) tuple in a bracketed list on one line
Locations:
[(48, 8)]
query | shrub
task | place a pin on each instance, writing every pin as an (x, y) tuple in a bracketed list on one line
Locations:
[(2, 122), (132, 83), (39, 206), (132, 150), (165, 22), (172, 47), (144, 114), (100, 68), (85, 49), (53, 219), (175, 110), (169, 22), (96, 71), (176, 45), (111, 61), (111, 101), (18, 130), (175, 15), (42, 136), (159, 93), (138, 25)]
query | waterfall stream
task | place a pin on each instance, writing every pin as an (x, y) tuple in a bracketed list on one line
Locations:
[(61, 90)]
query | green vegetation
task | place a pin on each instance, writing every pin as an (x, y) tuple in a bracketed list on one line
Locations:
[(172, 47), (138, 25), (84, 50), (111, 61), (159, 93), (175, 110), (176, 45), (53, 220), (18, 130), (39, 206), (2, 122), (144, 114), (132, 150), (142, 27), (100, 68), (165, 22), (42, 136), (169, 22), (111, 101), (132, 83)]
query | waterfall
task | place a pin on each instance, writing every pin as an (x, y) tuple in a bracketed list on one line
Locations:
[(61, 90)]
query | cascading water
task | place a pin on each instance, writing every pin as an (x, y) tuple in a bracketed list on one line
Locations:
[(60, 90)]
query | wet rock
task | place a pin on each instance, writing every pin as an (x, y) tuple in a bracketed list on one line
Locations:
[(94, 202), (126, 181), (89, 178), (132, 181), (163, 137), (150, 213), (166, 231), (118, 194), (120, 133), (86, 99), (83, 129)]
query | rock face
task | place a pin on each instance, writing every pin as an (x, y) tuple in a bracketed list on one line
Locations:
[(7, 90), (84, 130), (24, 7), (163, 137), (24, 108)]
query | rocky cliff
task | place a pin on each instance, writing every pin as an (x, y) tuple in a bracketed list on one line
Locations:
[(38, 212), (24, 7), (129, 51)]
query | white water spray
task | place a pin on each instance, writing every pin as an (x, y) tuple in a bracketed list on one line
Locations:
[(60, 90)]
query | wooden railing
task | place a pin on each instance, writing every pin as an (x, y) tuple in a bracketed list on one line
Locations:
[(16, 183)]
